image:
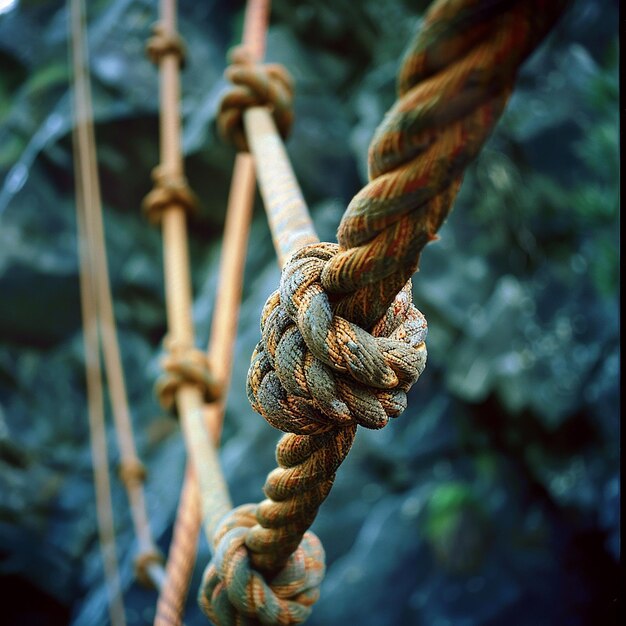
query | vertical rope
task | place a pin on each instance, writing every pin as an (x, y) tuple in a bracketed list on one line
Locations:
[(85, 194), (183, 547)]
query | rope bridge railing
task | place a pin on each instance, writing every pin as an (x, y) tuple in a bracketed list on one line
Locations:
[(341, 341)]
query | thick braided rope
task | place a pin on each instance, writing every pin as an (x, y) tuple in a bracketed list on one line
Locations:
[(452, 88), (453, 85), (233, 592)]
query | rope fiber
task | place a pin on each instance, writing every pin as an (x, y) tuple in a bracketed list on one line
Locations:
[(341, 340)]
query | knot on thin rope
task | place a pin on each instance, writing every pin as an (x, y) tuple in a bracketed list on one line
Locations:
[(313, 371), (132, 472), (185, 365), (268, 85), (142, 564), (232, 590), (170, 189), (164, 42)]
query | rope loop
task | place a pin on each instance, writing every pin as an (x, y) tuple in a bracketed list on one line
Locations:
[(233, 592), (142, 564), (163, 43), (132, 472), (170, 189), (268, 85), (185, 365), (314, 371)]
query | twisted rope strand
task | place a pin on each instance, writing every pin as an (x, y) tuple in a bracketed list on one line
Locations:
[(453, 86), (308, 372)]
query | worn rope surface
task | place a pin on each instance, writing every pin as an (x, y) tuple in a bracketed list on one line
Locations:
[(453, 85)]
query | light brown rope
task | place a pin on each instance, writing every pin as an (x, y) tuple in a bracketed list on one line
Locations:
[(86, 192), (181, 556), (131, 471)]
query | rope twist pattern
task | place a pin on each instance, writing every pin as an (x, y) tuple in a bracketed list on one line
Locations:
[(314, 371), (317, 373), (233, 592), (255, 85)]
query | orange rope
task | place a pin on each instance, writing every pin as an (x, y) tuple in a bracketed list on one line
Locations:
[(86, 193), (132, 473), (183, 547)]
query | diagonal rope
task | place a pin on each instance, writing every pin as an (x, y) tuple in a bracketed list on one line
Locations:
[(85, 193)]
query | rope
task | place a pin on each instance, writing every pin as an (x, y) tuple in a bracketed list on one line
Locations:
[(131, 471), (183, 547), (85, 194), (452, 88), (316, 373)]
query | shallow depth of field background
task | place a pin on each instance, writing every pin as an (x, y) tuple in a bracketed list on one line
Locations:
[(494, 498)]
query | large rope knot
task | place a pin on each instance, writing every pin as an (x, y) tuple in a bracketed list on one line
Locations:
[(185, 365), (268, 85), (233, 592), (314, 371)]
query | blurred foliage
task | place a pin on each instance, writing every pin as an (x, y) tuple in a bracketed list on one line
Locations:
[(495, 498)]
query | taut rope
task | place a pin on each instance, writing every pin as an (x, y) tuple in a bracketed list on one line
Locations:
[(317, 372)]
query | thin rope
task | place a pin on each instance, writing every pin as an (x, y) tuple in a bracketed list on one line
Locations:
[(181, 557), (85, 194), (214, 498), (132, 473)]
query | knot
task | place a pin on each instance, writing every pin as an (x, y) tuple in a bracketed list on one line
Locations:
[(232, 589), (170, 189), (255, 85), (184, 365), (164, 42), (314, 371), (132, 472), (142, 564)]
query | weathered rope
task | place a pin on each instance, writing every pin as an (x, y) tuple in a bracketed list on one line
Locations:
[(232, 590), (453, 86), (182, 551)]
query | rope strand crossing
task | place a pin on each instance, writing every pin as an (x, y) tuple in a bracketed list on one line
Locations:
[(317, 373)]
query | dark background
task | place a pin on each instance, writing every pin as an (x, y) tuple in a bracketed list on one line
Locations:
[(494, 498)]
